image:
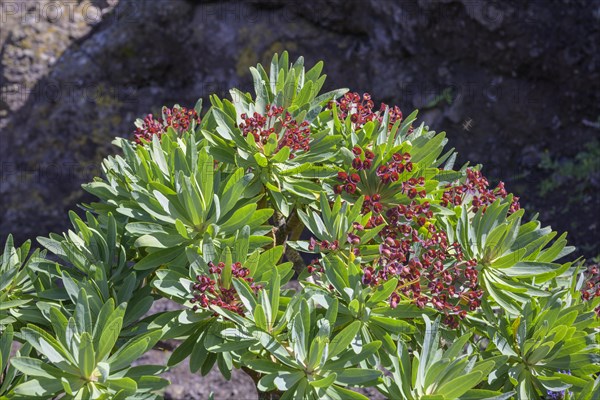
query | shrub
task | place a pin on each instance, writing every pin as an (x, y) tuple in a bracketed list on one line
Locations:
[(425, 281)]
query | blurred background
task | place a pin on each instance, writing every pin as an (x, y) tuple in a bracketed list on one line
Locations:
[(516, 85)]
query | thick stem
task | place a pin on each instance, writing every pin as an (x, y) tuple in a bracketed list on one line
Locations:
[(295, 257), (290, 229)]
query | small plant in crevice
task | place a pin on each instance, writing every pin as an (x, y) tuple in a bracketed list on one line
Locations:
[(579, 177), (425, 281)]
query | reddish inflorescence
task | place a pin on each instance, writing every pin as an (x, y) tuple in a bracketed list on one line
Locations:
[(591, 286), (387, 173), (315, 266), (360, 110), (208, 291), (178, 118), (476, 187), (430, 271), (391, 171), (294, 135), (323, 245)]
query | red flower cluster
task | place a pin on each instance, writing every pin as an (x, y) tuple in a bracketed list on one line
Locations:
[(295, 135), (591, 286), (349, 182), (256, 125), (477, 186), (315, 266), (390, 172), (372, 204), (361, 111), (323, 245), (430, 271), (179, 118), (208, 291), (362, 160), (410, 186)]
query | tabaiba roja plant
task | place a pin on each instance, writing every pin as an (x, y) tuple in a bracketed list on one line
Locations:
[(412, 277)]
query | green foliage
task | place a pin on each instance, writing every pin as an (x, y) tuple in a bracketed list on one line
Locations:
[(11, 377), (80, 359), (439, 374), (576, 180), (552, 346), (572, 172), (16, 287), (299, 351), (426, 283)]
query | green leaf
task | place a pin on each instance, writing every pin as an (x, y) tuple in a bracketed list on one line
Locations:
[(199, 355), (324, 382), (261, 160), (383, 292), (259, 317), (47, 345), (127, 385), (480, 394), (459, 386), (357, 376), (133, 349), (283, 380), (6, 339), (392, 324), (184, 349), (40, 387), (109, 337), (83, 316), (87, 358), (238, 219), (246, 294), (157, 258), (527, 269), (343, 339), (36, 368), (280, 202), (340, 393)]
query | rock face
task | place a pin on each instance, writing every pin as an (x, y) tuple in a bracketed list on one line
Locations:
[(507, 82)]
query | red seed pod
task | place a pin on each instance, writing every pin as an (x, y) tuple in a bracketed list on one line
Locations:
[(357, 164), (350, 188), (342, 176), (353, 239), (354, 178), (394, 300), (358, 226)]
